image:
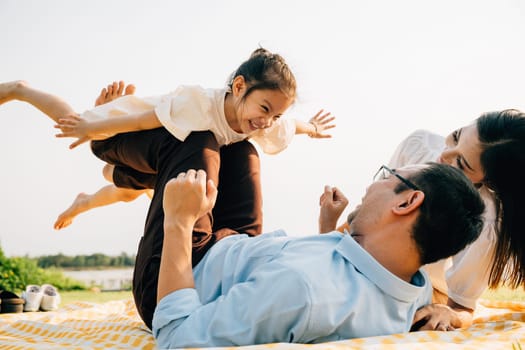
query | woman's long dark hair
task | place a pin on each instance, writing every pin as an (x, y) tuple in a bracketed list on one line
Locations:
[(502, 138)]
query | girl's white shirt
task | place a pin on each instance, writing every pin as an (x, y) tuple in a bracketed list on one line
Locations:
[(193, 108), (463, 277)]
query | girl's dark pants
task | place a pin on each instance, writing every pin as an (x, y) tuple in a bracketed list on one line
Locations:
[(149, 159)]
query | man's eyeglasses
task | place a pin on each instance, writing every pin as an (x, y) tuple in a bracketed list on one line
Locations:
[(384, 173)]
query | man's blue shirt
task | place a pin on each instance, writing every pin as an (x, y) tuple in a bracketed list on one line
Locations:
[(274, 288)]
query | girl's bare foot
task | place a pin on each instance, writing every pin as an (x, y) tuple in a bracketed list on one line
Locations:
[(114, 91), (79, 205), (8, 91)]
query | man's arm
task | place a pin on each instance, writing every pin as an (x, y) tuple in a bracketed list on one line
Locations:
[(186, 198), (273, 305), (332, 202), (254, 311)]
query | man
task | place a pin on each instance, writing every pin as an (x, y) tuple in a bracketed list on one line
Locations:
[(273, 288)]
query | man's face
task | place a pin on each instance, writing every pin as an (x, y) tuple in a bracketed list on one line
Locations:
[(377, 203)]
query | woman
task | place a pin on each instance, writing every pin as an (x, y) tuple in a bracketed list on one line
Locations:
[(491, 153)]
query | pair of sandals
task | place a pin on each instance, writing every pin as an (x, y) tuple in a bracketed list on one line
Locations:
[(34, 298)]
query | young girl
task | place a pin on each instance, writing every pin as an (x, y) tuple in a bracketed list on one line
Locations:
[(189, 108), (260, 91)]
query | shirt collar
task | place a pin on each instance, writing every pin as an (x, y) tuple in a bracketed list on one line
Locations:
[(389, 283)]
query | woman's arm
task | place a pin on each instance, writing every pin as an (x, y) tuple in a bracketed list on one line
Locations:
[(464, 314), (441, 317), (466, 279), (83, 130)]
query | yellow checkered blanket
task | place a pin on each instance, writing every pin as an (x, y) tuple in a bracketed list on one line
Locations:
[(116, 325)]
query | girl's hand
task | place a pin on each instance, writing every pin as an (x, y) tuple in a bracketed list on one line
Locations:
[(321, 122), (74, 126), (333, 202)]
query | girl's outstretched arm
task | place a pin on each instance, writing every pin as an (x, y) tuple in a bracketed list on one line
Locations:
[(316, 126), (83, 130)]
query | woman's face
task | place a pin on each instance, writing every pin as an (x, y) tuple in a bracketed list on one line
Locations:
[(463, 151)]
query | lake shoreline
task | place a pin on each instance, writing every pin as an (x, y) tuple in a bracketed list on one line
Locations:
[(112, 279)]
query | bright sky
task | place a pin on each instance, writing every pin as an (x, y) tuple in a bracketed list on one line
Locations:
[(383, 68)]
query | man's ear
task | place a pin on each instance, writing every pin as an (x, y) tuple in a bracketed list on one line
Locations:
[(410, 202), (238, 85)]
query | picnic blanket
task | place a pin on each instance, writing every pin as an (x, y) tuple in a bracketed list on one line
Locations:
[(116, 325)]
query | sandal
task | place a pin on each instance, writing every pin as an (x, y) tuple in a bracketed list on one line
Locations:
[(10, 302)]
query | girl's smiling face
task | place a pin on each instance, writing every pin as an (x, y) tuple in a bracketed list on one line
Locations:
[(259, 110)]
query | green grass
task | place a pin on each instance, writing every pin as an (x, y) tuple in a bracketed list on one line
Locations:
[(101, 297), (95, 297)]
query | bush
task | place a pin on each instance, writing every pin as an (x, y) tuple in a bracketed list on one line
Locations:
[(16, 273)]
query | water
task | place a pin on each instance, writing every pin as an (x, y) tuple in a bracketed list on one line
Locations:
[(111, 279)]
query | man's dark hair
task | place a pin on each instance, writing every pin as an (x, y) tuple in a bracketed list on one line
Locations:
[(450, 216)]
